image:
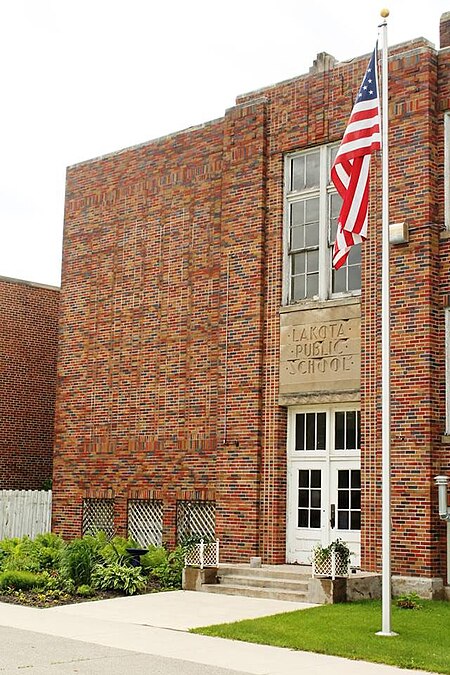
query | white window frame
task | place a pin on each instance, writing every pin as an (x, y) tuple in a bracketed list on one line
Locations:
[(325, 189), (447, 172)]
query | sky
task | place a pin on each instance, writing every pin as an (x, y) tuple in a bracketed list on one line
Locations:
[(83, 78)]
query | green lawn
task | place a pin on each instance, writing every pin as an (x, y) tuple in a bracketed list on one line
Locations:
[(348, 630)]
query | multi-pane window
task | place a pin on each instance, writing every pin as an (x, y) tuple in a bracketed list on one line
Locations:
[(347, 430), (309, 498), (312, 209), (310, 431), (349, 499)]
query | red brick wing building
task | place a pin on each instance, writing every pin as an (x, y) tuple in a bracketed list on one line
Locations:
[(215, 376), (29, 345)]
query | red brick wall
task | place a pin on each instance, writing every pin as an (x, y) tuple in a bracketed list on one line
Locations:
[(28, 344), (172, 285)]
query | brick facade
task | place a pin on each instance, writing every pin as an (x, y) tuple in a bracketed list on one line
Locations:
[(170, 317), (28, 343)]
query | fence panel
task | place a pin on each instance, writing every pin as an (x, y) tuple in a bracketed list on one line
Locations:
[(25, 512)]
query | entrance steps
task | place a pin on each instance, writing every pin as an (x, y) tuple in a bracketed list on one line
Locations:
[(277, 582)]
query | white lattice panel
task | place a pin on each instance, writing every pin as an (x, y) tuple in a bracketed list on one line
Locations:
[(332, 565), (203, 555), (196, 518), (98, 515), (145, 521)]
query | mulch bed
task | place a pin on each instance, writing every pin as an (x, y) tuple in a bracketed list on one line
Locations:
[(36, 598)]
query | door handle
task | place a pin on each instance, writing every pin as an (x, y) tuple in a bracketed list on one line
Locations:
[(333, 515)]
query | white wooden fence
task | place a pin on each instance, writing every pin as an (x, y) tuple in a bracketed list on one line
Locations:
[(25, 512)]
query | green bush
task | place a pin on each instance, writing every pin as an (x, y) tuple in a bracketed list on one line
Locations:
[(47, 550), (156, 556), (79, 558), (409, 601), (169, 571), (20, 580), (116, 550), (119, 578), (85, 591), (18, 554)]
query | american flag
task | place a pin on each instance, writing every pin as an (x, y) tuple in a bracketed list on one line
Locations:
[(350, 170)]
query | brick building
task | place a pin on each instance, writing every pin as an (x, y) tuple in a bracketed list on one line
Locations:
[(214, 374), (28, 345)]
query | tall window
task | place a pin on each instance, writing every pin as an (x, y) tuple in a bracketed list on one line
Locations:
[(312, 208)]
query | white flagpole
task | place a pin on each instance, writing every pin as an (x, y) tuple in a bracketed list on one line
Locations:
[(385, 350)]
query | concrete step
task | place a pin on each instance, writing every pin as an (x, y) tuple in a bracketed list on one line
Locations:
[(287, 572), (295, 584), (253, 592)]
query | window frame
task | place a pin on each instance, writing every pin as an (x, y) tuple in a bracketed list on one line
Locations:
[(323, 192)]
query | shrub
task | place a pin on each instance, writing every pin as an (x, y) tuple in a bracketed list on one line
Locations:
[(85, 591), (156, 556), (119, 578), (409, 601), (19, 554), (116, 550), (169, 571), (79, 559), (20, 580), (47, 551)]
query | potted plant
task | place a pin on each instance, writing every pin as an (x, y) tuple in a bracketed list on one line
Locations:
[(332, 560)]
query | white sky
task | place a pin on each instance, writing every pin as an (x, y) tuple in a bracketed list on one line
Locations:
[(81, 78)]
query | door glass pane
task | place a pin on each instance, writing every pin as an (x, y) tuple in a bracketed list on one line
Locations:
[(356, 499), (315, 499), (343, 498), (342, 479), (315, 519), (355, 520), (356, 479), (303, 478), (303, 518), (303, 498), (315, 478), (343, 520)]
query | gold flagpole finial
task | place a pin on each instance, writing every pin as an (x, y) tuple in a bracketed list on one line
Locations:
[(384, 13)]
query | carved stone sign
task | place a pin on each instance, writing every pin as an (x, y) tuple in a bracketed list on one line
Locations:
[(320, 350)]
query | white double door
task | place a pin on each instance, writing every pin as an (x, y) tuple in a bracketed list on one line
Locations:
[(324, 480)]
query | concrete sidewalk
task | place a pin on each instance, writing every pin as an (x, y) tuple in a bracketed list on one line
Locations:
[(157, 624)]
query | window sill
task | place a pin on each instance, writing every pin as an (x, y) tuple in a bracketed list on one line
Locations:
[(315, 304)]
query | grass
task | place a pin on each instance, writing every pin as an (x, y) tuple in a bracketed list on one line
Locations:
[(348, 630)]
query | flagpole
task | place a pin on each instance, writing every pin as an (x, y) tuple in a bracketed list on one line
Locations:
[(385, 350)]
